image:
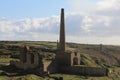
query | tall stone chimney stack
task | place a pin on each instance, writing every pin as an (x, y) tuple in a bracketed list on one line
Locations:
[(62, 33)]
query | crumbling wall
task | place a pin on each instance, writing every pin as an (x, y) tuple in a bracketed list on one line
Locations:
[(73, 56), (79, 70), (28, 64)]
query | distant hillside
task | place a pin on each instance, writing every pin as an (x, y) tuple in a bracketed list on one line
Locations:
[(91, 55), (108, 55)]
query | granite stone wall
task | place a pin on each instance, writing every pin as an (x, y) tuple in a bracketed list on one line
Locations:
[(79, 70)]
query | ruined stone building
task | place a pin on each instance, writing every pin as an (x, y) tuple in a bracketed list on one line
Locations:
[(29, 61), (64, 62)]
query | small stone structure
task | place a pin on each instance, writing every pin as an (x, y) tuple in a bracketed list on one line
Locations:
[(64, 62), (68, 59), (29, 60)]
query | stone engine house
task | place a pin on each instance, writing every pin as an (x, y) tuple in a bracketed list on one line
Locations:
[(64, 62)]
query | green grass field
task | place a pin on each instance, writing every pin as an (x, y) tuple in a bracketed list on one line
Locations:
[(91, 55)]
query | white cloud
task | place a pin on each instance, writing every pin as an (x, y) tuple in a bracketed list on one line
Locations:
[(108, 5), (95, 40), (101, 22), (99, 26)]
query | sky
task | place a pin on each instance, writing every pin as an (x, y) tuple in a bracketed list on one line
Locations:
[(86, 21)]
